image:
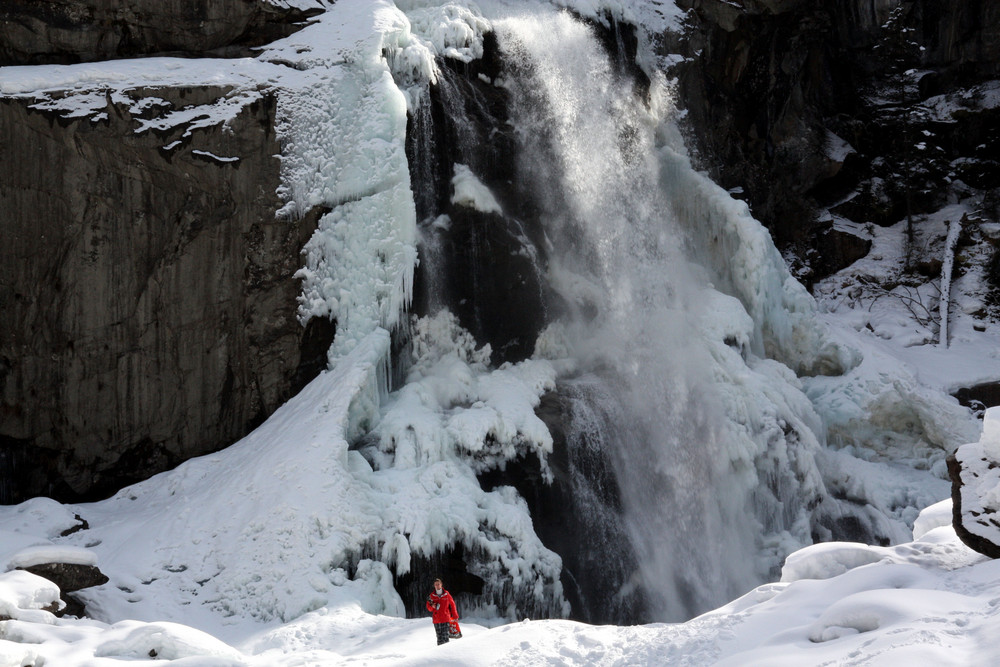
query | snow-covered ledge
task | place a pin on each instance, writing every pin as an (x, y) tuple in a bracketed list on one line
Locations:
[(975, 476)]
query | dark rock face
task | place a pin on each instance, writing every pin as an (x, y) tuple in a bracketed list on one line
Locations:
[(35, 32), (809, 105), (147, 292), (484, 266), (979, 396), (579, 514), (69, 577), (451, 567)]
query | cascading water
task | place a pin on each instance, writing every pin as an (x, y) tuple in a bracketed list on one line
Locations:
[(479, 264), (617, 260), (600, 579)]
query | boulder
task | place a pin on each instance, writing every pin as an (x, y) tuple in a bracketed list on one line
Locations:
[(69, 568), (975, 489), (70, 577)]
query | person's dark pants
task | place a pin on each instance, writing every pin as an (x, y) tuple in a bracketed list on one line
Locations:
[(442, 632)]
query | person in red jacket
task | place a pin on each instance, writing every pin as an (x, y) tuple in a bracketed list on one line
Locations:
[(442, 606)]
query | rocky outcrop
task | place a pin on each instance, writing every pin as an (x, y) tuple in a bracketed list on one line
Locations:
[(69, 569), (979, 396), (70, 577), (811, 105), (34, 32), (975, 489), (147, 289)]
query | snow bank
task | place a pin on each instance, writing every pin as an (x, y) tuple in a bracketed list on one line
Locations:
[(928, 601), (42, 518), (131, 640), (933, 516), (28, 597)]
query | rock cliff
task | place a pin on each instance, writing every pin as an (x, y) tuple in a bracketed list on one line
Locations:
[(810, 106), (34, 32), (147, 290)]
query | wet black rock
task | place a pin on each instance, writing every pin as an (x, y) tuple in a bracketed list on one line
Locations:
[(485, 266), (69, 577), (979, 396), (578, 513)]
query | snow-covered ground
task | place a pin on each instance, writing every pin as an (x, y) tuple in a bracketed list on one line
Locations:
[(931, 601), (280, 550)]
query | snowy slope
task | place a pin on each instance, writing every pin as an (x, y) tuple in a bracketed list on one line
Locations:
[(929, 601)]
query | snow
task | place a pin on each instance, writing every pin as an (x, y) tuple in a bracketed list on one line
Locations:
[(213, 156), (837, 149), (897, 317), (984, 97), (933, 516), (931, 600), (28, 597), (470, 191), (41, 554)]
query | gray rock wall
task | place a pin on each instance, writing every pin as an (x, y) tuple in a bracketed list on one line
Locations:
[(770, 81), (147, 294), (36, 32)]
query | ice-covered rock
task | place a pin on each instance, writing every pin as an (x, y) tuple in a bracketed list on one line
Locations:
[(975, 476)]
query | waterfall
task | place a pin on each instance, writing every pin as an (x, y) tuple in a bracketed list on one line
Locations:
[(634, 309), (564, 232), (600, 579)]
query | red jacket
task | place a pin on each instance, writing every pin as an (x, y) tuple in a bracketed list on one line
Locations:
[(442, 606)]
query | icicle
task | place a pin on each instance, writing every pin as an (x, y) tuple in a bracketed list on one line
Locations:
[(947, 267)]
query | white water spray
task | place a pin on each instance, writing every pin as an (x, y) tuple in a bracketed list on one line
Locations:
[(617, 258)]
